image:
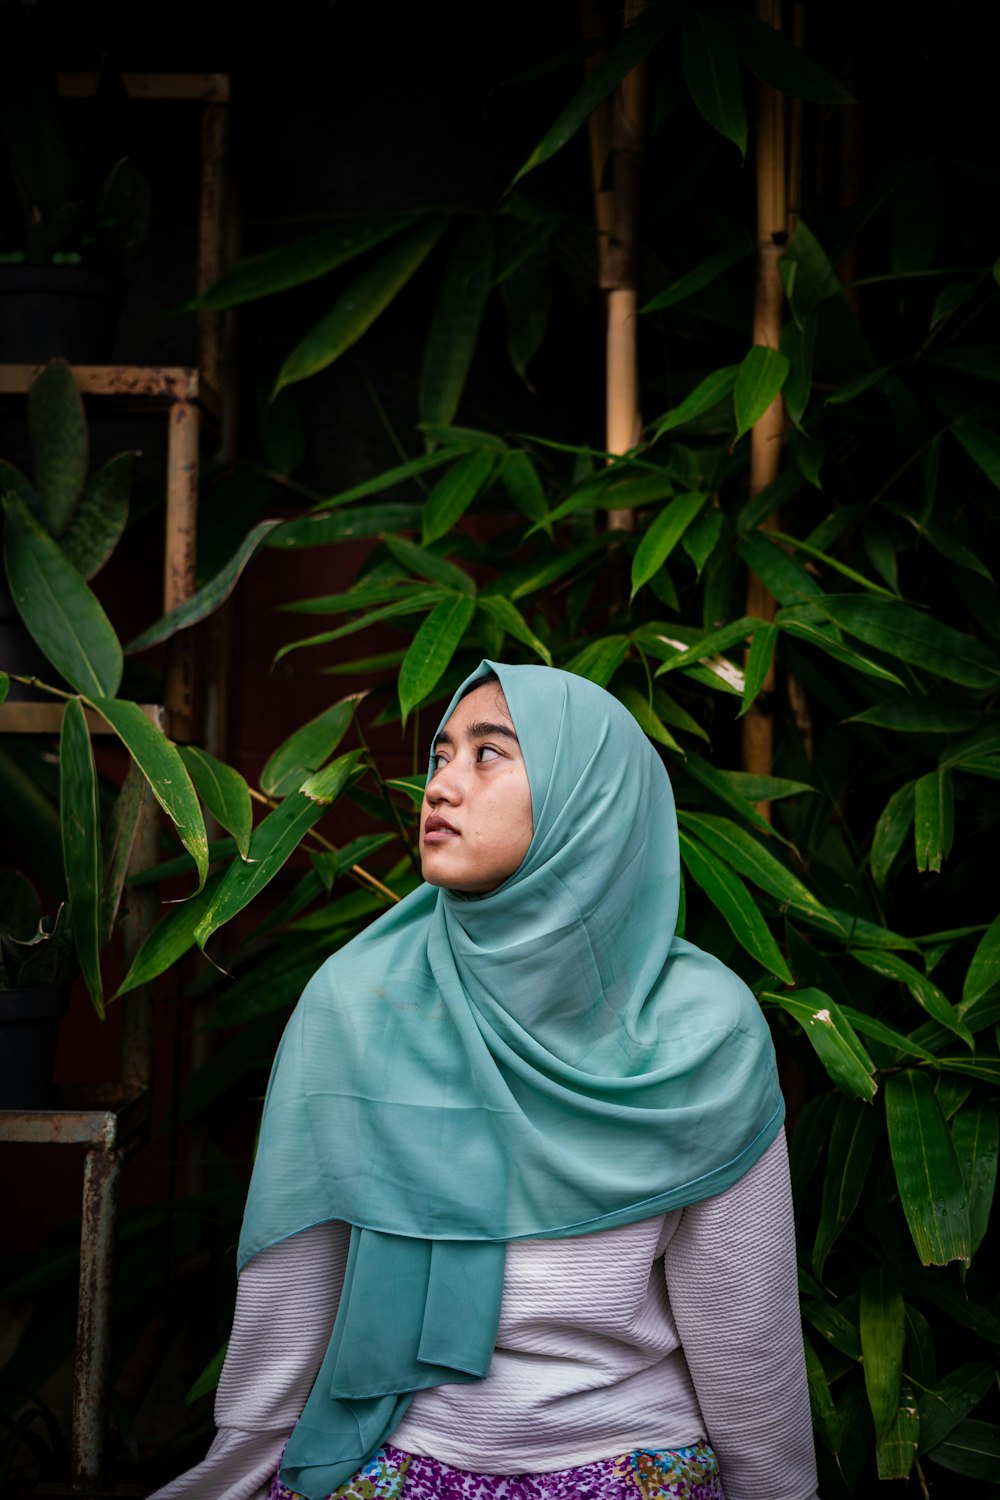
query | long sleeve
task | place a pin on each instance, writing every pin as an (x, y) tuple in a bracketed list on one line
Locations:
[(731, 1275), (285, 1307)]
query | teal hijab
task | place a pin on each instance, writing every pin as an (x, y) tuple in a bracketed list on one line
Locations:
[(548, 1059)]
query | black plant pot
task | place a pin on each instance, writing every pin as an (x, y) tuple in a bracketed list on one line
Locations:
[(49, 312), (29, 1021)]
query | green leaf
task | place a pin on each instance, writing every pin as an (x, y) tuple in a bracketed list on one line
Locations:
[(81, 841), (307, 749), (707, 394), (751, 788), (943, 1407), (4, 686), (914, 637), (748, 855), (983, 447), (883, 1333), (934, 714), (829, 642), (933, 818), (99, 518), (696, 280), (388, 479), (599, 660), (646, 717), (527, 297), (615, 488), (761, 375), (973, 1449), (787, 580), (61, 614), (779, 62), (984, 970), (808, 276), (540, 573), (60, 444), (832, 1038), (826, 1420), (511, 620), (712, 72), (852, 389), (119, 838), (927, 1169), (356, 309), (831, 562), (223, 791), (170, 939), (433, 647), (359, 521), (707, 645), (521, 481), (636, 41), (430, 565), (923, 990), (761, 655), (208, 598), (702, 536), (852, 1141), (739, 795), (897, 1447), (302, 261), (975, 1135), (209, 1377), (727, 892), (166, 773), (410, 786), (272, 843), (417, 600), (454, 328), (662, 536), (454, 493)]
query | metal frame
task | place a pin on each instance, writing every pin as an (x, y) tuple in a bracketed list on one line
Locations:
[(111, 1121)]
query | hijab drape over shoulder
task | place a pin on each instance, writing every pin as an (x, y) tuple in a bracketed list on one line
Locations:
[(548, 1059)]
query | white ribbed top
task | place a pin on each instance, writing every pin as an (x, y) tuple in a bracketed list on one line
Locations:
[(651, 1335)]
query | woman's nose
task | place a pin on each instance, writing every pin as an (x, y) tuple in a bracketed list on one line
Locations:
[(444, 786)]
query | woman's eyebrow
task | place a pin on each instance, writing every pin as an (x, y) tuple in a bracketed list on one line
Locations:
[(483, 727)]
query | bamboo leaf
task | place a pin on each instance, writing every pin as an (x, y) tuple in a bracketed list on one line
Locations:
[(852, 1141), (695, 281), (61, 614), (616, 488), (738, 795), (748, 855), (829, 643), (170, 939), (272, 843), (209, 597), (975, 1135), (117, 849), (984, 970), (387, 480), (454, 328), (934, 714), (208, 1380), (81, 842), (4, 686), (787, 579), (293, 265), (761, 655), (777, 61), (933, 818), (527, 298), (824, 1412), (729, 895), (706, 647), (359, 521), (914, 637), (881, 1031), (832, 1038), (521, 481), (662, 536), (923, 990), (99, 518), (831, 562), (223, 791), (430, 565), (927, 1170), (166, 773), (636, 41), (883, 1332), (454, 493), (897, 1447), (356, 310), (60, 443), (647, 718), (433, 647), (306, 750), (712, 72), (973, 1449), (413, 603), (707, 394), (538, 574), (761, 375), (599, 660), (511, 620), (945, 1405), (983, 447)]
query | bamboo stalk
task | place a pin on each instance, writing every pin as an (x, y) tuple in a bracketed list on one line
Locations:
[(765, 436)]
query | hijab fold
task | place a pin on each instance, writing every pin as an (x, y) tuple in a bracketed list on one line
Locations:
[(551, 1059)]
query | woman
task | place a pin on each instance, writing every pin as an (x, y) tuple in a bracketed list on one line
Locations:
[(519, 1223)]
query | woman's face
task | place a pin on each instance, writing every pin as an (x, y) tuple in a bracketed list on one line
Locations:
[(475, 822)]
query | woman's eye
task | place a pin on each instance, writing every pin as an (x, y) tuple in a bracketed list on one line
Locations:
[(437, 761), (487, 752)]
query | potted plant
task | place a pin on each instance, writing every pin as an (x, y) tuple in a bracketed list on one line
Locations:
[(37, 965), (85, 210)]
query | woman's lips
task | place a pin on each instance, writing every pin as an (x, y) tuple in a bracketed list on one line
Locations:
[(438, 831)]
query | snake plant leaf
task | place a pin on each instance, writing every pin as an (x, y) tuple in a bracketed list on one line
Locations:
[(923, 990), (928, 1174), (206, 600), (759, 659), (984, 970), (974, 1132), (293, 265), (707, 394), (912, 636), (761, 376), (511, 620), (728, 894), (81, 841), (60, 612), (662, 536), (357, 309), (160, 763), (712, 72), (454, 493), (451, 339), (308, 748), (432, 648), (950, 1400), (60, 443), (833, 1039), (933, 818), (855, 1130), (99, 519), (170, 939), (223, 791), (883, 1332), (273, 842), (119, 837)]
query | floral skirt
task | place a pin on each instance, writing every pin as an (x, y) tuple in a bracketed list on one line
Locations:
[(672, 1474)]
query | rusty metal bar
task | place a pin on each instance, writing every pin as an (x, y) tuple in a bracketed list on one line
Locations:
[(179, 562), (209, 88), (105, 1117), (101, 1177), (154, 382)]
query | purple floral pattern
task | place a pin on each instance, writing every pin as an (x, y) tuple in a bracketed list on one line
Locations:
[(671, 1474)]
